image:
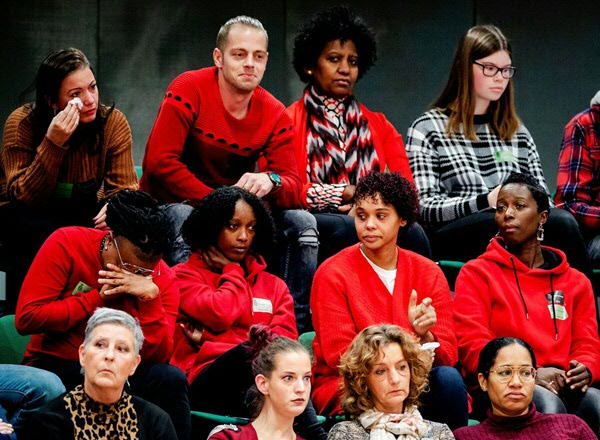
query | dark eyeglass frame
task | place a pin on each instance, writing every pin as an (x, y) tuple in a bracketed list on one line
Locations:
[(506, 72), (518, 370), (133, 268)]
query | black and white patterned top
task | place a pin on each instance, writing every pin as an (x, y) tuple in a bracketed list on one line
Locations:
[(454, 174), (353, 430)]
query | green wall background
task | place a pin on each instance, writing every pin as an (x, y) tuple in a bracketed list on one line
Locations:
[(137, 47)]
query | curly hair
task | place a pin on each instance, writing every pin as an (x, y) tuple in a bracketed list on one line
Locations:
[(393, 190), (335, 23), (136, 216), (365, 351), (203, 226), (537, 191)]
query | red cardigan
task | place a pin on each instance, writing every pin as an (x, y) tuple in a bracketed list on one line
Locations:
[(55, 308), (348, 296), (196, 145), (227, 305), (388, 144)]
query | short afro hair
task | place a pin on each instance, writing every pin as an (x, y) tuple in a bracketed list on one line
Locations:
[(537, 191), (136, 216), (203, 226), (335, 23), (393, 190)]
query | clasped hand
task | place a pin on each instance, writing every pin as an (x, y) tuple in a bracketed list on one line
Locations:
[(117, 281)]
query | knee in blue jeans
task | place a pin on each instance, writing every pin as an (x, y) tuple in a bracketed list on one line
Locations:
[(300, 223)]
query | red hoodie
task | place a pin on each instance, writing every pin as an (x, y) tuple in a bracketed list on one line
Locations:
[(490, 302)]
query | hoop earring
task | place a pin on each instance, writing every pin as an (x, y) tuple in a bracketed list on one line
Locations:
[(540, 232)]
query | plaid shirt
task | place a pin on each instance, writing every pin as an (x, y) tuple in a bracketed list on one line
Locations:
[(578, 180), (454, 174)]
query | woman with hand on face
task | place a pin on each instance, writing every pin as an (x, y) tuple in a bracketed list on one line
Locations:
[(61, 159), (467, 144), (376, 282), (337, 139), (281, 391), (80, 269), (525, 290), (507, 374), (384, 371), (100, 408), (224, 291)]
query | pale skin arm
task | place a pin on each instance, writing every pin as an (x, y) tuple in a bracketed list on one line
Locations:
[(258, 184), (100, 219), (422, 317), (492, 197)]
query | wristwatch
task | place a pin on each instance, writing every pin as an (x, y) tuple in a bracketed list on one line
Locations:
[(275, 179)]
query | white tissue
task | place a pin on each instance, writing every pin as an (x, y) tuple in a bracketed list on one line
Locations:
[(77, 102)]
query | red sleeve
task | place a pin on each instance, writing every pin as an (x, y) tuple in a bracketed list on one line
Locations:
[(280, 158), (164, 171), (214, 305), (472, 310), (395, 153), (585, 345), (42, 306), (328, 300), (443, 330), (157, 318)]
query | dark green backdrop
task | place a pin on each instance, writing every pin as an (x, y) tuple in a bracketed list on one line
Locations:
[(138, 47)]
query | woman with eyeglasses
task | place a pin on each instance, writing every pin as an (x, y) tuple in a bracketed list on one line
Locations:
[(80, 269), (470, 140), (522, 289), (507, 374)]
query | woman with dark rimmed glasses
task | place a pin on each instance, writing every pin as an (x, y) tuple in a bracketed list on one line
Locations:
[(80, 269), (507, 375), (467, 143)]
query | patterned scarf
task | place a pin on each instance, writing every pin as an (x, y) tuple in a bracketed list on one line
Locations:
[(405, 426), (339, 144), (93, 420)]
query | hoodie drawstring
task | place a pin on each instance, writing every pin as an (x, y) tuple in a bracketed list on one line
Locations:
[(525, 304), (512, 260)]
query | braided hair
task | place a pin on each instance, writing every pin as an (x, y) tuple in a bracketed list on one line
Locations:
[(136, 216)]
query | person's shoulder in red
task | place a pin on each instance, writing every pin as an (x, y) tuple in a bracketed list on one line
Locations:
[(236, 432)]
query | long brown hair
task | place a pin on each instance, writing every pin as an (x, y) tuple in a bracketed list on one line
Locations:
[(479, 42)]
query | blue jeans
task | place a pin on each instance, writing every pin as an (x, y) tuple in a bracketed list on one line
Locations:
[(446, 400), (179, 252), (298, 248), (23, 390)]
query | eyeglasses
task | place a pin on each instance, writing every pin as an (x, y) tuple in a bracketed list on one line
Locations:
[(491, 70), (505, 373), (135, 269)]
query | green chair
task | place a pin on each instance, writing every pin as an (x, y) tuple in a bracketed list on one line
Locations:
[(306, 339), (12, 344), (138, 171), (221, 420)]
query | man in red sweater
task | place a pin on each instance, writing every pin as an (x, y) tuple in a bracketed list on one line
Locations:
[(212, 127)]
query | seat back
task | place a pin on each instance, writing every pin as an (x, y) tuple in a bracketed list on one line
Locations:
[(12, 344), (306, 339)]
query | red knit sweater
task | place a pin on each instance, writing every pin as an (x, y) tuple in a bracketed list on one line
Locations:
[(227, 305), (348, 296), (531, 426), (55, 310), (387, 141), (196, 145)]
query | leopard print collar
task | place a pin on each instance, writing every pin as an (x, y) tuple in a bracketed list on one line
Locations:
[(93, 420)]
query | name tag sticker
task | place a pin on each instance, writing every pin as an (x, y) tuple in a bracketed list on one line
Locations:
[(261, 305), (561, 312), (504, 156)]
